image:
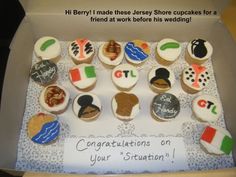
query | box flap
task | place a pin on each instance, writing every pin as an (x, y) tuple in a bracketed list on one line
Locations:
[(54, 6)]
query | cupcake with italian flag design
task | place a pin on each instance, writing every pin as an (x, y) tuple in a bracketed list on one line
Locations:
[(83, 77), (216, 140)]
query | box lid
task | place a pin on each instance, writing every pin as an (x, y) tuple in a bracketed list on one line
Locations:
[(58, 7)]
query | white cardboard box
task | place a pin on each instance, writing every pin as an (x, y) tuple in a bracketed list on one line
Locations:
[(48, 18)]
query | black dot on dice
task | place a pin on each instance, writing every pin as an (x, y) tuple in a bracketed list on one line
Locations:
[(200, 80), (208, 78), (192, 72), (204, 84), (190, 75), (190, 69), (202, 75), (192, 80), (187, 78), (205, 80), (207, 73), (186, 72)]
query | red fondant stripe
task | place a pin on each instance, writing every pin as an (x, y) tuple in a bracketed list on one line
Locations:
[(208, 134), (75, 75)]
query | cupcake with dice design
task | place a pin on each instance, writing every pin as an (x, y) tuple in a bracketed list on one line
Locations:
[(43, 128), (83, 77), (137, 52), (195, 78), (198, 51), (81, 51), (48, 48), (168, 51)]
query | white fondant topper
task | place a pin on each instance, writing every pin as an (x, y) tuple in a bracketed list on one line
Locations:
[(161, 78), (47, 48), (62, 98), (169, 49), (125, 76), (196, 77), (200, 49), (81, 49), (106, 59), (83, 75), (207, 108)]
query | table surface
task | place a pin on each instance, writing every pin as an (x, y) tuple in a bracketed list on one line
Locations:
[(228, 17)]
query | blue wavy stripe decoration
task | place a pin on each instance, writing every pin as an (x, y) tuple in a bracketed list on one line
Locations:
[(135, 53), (48, 133)]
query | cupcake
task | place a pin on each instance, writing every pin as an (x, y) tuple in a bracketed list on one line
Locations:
[(43, 128), (83, 77), (167, 51), (48, 48), (161, 79), (165, 107), (194, 78), (87, 106), (54, 98), (81, 51), (125, 106), (216, 140), (111, 53), (198, 51), (137, 52), (206, 108), (44, 72), (125, 77)]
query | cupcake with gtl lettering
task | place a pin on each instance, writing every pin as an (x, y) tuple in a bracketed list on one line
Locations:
[(125, 77)]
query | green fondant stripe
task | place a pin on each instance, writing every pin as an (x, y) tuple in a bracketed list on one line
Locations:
[(169, 45), (46, 44), (227, 145), (90, 71)]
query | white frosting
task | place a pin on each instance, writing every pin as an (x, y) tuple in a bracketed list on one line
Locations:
[(123, 81), (106, 59), (134, 112), (81, 54), (205, 110), (152, 74), (51, 52), (170, 54), (136, 42), (189, 77), (209, 49), (96, 102), (212, 148), (84, 81), (56, 108)]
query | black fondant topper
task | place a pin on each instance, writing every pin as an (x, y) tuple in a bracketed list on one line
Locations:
[(161, 74), (198, 48), (85, 102)]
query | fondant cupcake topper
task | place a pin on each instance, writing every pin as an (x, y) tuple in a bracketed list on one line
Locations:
[(87, 108)]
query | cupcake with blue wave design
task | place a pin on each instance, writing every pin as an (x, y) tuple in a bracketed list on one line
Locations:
[(43, 128), (137, 52)]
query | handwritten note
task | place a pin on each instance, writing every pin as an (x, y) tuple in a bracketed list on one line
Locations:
[(120, 155)]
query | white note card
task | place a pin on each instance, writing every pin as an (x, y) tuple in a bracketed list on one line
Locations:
[(121, 155)]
